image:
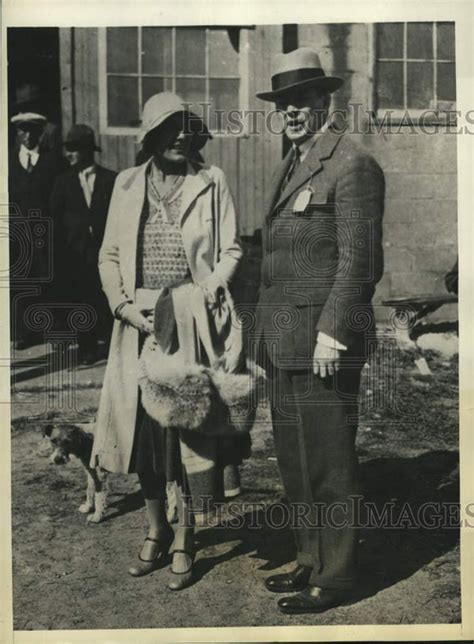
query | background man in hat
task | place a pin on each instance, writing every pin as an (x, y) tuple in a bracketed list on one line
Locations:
[(322, 259), (28, 99), (31, 173), (79, 204)]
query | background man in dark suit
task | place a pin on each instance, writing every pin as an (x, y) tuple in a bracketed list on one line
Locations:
[(31, 173), (322, 259), (79, 204)]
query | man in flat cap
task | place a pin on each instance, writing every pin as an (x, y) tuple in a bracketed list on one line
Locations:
[(28, 98), (322, 257), (79, 204), (31, 173)]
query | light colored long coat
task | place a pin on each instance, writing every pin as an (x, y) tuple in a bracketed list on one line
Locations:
[(211, 243)]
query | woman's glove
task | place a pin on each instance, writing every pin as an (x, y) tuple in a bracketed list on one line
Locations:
[(212, 288), (135, 316)]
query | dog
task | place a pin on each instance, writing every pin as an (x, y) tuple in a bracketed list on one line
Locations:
[(67, 440)]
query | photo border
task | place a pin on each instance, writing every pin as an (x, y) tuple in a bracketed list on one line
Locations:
[(52, 13)]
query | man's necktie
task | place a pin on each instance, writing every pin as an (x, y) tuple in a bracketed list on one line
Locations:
[(293, 166), (86, 187), (29, 163)]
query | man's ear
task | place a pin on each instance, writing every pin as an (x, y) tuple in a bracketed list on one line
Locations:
[(327, 100), (48, 430)]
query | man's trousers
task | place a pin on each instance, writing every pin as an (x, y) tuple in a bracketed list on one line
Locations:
[(315, 425)]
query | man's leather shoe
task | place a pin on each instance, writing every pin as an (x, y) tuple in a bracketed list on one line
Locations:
[(289, 581), (312, 600)]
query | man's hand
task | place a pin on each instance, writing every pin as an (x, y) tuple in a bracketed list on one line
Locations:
[(325, 360), (140, 319)]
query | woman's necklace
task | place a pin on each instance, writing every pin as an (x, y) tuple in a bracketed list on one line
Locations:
[(163, 199)]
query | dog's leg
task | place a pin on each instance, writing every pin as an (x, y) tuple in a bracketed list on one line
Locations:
[(88, 504), (100, 497)]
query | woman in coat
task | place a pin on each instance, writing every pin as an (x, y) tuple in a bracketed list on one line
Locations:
[(171, 221)]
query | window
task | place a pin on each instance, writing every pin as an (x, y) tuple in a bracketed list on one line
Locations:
[(201, 64), (415, 66)]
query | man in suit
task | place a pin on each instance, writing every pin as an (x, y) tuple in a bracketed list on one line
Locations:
[(79, 204), (322, 257), (31, 173)]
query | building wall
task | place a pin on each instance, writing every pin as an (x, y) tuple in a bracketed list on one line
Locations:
[(420, 230), (420, 220)]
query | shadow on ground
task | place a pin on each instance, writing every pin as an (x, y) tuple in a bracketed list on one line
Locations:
[(411, 494)]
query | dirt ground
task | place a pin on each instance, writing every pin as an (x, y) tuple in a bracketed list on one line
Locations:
[(69, 574)]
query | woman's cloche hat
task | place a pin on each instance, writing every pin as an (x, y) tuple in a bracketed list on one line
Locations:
[(299, 68), (160, 107)]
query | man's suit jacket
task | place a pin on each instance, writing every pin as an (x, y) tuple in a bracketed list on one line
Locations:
[(320, 266), (30, 192), (79, 230)]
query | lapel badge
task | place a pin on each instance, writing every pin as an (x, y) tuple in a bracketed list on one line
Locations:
[(302, 200)]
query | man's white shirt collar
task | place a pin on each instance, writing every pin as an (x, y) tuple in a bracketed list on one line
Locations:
[(89, 170), (87, 181), (25, 153)]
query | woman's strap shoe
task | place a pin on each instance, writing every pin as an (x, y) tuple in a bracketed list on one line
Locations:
[(181, 580), (145, 566)]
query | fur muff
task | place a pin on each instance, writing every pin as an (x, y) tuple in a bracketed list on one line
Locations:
[(190, 396), (239, 393), (174, 393)]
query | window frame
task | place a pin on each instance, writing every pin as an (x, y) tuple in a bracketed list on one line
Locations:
[(397, 116), (122, 130)]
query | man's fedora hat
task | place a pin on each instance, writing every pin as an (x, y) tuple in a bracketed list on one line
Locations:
[(297, 69), (81, 137), (160, 107)]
